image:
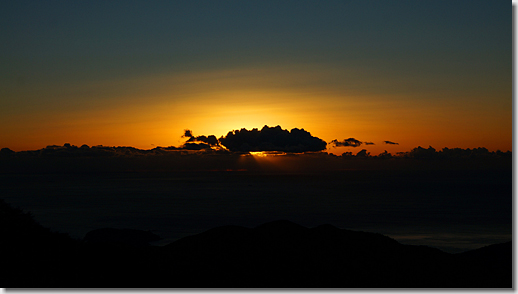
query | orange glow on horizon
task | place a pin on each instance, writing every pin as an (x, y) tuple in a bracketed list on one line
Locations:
[(156, 110), (266, 153)]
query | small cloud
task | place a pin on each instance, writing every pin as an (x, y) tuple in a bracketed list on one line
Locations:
[(351, 142), (187, 134), (210, 140), (369, 143), (390, 143)]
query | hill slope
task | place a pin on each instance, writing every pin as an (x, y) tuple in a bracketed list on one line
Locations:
[(274, 255)]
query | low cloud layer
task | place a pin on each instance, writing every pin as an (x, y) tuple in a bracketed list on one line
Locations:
[(272, 139), (195, 146), (199, 157)]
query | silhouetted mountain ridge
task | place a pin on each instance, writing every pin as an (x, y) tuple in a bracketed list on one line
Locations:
[(276, 254), (284, 254)]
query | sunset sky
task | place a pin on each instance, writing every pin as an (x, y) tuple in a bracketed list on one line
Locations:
[(138, 73)]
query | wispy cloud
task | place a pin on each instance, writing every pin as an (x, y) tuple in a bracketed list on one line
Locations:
[(351, 142), (390, 143)]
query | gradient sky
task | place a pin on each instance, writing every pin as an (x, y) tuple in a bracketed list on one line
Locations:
[(137, 73)]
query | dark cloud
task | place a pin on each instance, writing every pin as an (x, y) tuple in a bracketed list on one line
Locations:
[(351, 142), (363, 153), (211, 140), (195, 146), (187, 134), (272, 139), (369, 143), (390, 143)]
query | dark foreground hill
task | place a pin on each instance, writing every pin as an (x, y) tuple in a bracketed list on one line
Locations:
[(277, 254)]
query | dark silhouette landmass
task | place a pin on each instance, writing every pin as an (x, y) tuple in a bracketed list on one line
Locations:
[(130, 237), (277, 254)]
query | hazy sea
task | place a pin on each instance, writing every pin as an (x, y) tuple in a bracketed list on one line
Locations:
[(450, 210)]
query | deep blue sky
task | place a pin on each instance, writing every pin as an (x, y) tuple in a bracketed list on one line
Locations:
[(138, 35)]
